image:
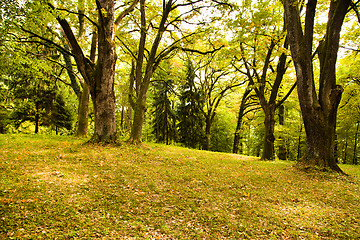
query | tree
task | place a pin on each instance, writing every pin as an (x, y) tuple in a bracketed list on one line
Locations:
[(319, 109), (39, 101), (259, 81), (99, 74), (164, 117), (215, 80), (189, 111), (167, 20), (246, 106)]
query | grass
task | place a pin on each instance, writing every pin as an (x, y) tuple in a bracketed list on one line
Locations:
[(59, 188)]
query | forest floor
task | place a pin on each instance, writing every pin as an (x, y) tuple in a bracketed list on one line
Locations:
[(60, 188)]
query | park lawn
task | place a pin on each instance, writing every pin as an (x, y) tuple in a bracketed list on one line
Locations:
[(57, 187)]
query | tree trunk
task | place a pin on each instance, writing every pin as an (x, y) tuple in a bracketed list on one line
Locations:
[(299, 143), (269, 139), (208, 123), (320, 135), (102, 88), (282, 153), (345, 150), (319, 112), (237, 135), (138, 121), (355, 144), (83, 111), (243, 106), (37, 118), (100, 75)]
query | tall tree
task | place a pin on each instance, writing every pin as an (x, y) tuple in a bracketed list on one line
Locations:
[(164, 115), (261, 55), (99, 75), (216, 80), (319, 109), (190, 115), (259, 82), (165, 22), (246, 105)]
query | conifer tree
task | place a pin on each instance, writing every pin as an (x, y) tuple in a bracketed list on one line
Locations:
[(190, 115), (164, 115)]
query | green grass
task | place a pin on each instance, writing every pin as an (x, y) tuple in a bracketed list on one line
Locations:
[(59, 188)]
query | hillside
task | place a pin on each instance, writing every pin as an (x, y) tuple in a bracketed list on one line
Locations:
[(58, 187)]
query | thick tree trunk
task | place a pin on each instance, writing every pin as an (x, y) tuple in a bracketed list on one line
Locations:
[(83, 111), (318, 111), (320, 135), (102, 88), (269, 139)]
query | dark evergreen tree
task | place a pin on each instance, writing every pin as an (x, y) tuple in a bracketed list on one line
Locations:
[(61, 116), (36, 99), (164, 123), (191, 120)]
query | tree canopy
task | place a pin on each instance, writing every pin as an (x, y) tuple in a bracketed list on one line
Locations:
[(214, 75)]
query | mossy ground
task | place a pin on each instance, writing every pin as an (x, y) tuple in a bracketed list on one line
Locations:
[(60, 188)]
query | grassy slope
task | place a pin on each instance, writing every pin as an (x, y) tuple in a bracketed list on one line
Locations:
[(57, 187)]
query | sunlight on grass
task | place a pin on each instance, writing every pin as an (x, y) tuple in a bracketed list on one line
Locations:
[(59, 187)]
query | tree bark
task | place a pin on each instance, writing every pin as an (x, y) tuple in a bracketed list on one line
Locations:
[(237, 135), (37, 118), (319, 112), (299, 143), (269, 139), (83, 111), (102, 88), (208, 123), (282, 154), (355, 162), (139, 117)]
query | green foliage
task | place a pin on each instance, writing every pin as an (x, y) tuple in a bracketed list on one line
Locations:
[(222, 135), (61, 115), (58, 187), (164, 117), (189, 111)]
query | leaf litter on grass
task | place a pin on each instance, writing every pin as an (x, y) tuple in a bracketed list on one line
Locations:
[(63, 188)]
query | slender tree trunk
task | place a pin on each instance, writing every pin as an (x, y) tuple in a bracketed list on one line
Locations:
[(237, 135), (282, 152), (355, 144), (345, 151), (37, 118), (83, 111), (299, 143), (83, 96), (269, 139), (208, 123)]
